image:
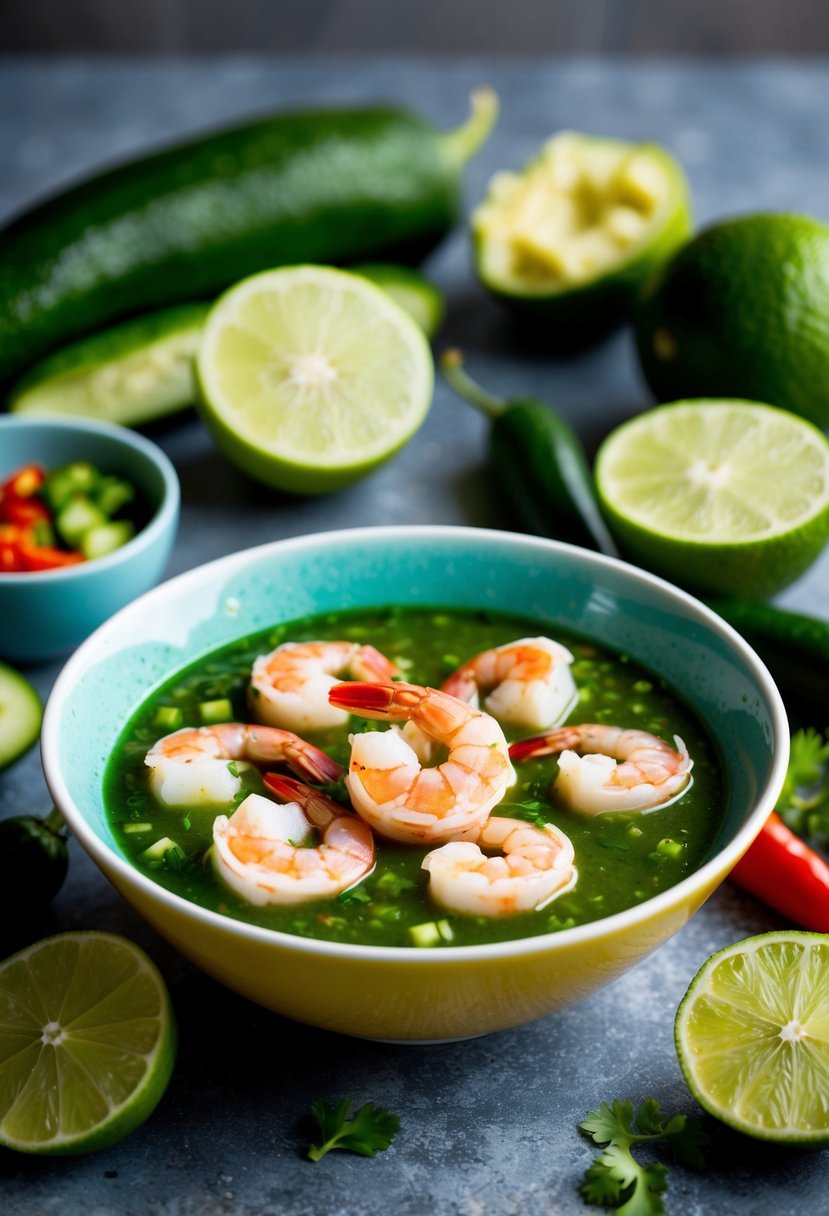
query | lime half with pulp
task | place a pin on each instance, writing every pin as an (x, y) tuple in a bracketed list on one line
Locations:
[(310, 377), (724, 497), (87, 1043), (752, 1035)]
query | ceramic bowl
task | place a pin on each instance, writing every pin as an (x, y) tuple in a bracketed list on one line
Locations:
[(395, 993), (47, 613)]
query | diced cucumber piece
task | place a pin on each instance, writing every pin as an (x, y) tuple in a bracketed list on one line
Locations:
[(670, 848), (431, 933), (68, 480), (106, 538), (20, 715), (157, 850), (168, 717), (212, 712), (78, 516), (113, 494)]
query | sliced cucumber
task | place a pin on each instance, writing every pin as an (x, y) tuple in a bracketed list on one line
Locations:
[(415, 294), (105, 538), (130, 374), (20, 715)]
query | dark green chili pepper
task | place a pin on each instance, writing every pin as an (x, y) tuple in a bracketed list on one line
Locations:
[(538, 459), (33, 862)]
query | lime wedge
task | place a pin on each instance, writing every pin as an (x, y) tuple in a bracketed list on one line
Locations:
[(752, 1034), (310, 377), (725, 497), (87, 1043)]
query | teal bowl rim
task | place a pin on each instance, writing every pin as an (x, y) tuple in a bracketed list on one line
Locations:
[(110, 861), (164, 516)]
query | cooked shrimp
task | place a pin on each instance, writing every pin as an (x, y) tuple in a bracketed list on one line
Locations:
[(526, 684), (190, 766), (266, 852), (388, 786), (289, 687), (606, 768), (535, 866)]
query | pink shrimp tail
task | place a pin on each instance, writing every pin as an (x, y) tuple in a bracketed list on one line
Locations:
[(367, 699), (544, 745), (375, 665), (287, 789), (314, 765), (319, 808), (461, 684)]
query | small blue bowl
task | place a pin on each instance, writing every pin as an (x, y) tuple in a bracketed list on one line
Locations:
[(47, 613)]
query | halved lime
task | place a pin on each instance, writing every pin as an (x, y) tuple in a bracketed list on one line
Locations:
[(310, 377), (725, 497), (87, 1043), (752, 1035), (570, 240), (131, 374)]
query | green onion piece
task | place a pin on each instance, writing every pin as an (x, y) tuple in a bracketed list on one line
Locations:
[(129, 828)]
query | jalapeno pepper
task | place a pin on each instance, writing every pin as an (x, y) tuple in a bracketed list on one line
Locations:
[(542, 470), (782, 871)]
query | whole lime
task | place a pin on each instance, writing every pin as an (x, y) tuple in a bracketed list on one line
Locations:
[(742, 310)]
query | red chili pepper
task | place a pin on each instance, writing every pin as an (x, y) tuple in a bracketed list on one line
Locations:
[(782, 871), (9, 559), (44, 557), (24, 483), (23, 511)]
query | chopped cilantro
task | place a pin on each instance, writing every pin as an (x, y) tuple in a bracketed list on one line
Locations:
[(357, 895), (804, 800), (616, 1179), (370, 1131)]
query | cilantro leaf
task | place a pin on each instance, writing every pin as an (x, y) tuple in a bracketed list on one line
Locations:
[(615, 1178), (804, 800), (370, 1131)]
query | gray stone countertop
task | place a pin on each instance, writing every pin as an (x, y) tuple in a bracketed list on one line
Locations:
[(488, 1126)]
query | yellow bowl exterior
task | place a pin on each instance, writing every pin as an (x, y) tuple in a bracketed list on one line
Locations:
[(432, 996)]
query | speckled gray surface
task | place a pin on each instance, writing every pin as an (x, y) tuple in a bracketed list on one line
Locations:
[(488, 1127)]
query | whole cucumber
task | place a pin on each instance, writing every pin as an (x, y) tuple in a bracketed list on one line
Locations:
[(184, 223), (794, 647)]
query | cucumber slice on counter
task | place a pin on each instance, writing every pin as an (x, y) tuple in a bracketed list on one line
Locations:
[(20, 715), (130, 374), (415, 294)]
